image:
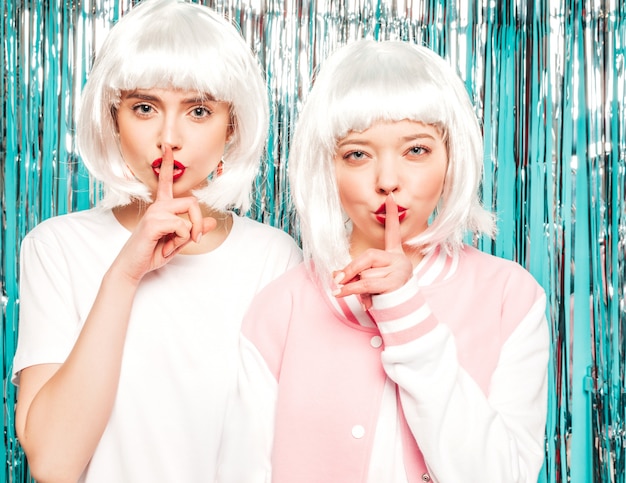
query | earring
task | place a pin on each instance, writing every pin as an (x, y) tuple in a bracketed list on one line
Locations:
[(220, 168)]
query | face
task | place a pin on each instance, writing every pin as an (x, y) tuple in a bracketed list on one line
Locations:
[(406, 158), (196, 127)]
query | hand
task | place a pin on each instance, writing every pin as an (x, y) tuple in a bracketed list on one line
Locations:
[(162, 233), (377, 271)]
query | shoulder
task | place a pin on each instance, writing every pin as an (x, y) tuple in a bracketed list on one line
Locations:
[(263, 245), (74, 230), (279, 296), (292, 283), (260, 232), (73, 241), (507, 273), (503, 284), (268, 317), (85, 220)]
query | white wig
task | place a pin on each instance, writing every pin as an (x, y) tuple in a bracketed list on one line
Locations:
[(175, 45), (360, 84)]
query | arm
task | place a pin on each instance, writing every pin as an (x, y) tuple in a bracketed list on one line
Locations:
[(497, 438), (245, 451), (62, 409)]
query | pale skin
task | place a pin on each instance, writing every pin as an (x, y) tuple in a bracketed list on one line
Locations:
[(63, 409), (394, 163)]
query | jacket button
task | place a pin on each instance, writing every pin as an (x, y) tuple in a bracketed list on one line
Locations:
[(425, 477), (376, 341), (358, 431)]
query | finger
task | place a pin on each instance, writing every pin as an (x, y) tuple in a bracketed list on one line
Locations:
[(165, 189), (370, 258), (393, 239), (174, 241), (200, 225), (367, 287), (208, 224), (168, 247), (358, 286), (366, 301), (172, 244), (197, 225)]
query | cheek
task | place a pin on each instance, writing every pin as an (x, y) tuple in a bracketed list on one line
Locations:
[(348, 191), (131, 138), (131, 148), (431, 185)]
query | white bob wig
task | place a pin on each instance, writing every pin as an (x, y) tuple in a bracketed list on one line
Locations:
[(363, 83), (175, 45)]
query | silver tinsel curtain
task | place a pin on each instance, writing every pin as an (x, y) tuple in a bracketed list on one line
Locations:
[(548, 81)]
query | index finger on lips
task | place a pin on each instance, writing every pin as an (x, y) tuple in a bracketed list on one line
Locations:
[(393, 239), (165, 184)]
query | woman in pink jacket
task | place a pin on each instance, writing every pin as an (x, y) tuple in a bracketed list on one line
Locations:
[(395, 352)]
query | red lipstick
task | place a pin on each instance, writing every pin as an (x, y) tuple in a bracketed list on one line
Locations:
[(179, 168), (381, 213)]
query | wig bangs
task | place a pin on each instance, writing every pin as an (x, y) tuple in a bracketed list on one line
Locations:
[(388, 99), (169, 60)]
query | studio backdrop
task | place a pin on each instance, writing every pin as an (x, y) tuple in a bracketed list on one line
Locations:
[(548, 81)]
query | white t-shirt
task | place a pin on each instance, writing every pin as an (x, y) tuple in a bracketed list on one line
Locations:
[(180, 355)]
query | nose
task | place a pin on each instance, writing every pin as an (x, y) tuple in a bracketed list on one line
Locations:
[(170, 134), (387, 176)]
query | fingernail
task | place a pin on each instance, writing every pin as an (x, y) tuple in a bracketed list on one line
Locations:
[(199, 237), (336, 292), (339, 277)]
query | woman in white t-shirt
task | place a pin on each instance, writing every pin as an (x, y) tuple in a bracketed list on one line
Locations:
[(130, 311)]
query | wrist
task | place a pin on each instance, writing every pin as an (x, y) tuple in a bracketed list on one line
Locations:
[(118, 276)]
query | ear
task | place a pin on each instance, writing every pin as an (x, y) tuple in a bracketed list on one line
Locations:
[(230, 132)]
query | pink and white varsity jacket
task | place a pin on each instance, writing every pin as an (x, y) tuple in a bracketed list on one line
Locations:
[(443, 380)]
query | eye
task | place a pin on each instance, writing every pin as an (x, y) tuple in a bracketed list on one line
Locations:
[(417, 151), (355, 155), (200, 112), (143, 109)]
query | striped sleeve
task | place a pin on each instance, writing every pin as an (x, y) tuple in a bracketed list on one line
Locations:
[(403, 315)]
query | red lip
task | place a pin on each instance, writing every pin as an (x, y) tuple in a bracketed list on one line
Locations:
[(381, 213), (179, 168)]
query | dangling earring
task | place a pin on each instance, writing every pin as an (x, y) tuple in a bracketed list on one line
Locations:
[(220, 168)]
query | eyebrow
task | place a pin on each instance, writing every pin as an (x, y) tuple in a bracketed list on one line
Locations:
[(404, 139), (190, 100)]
